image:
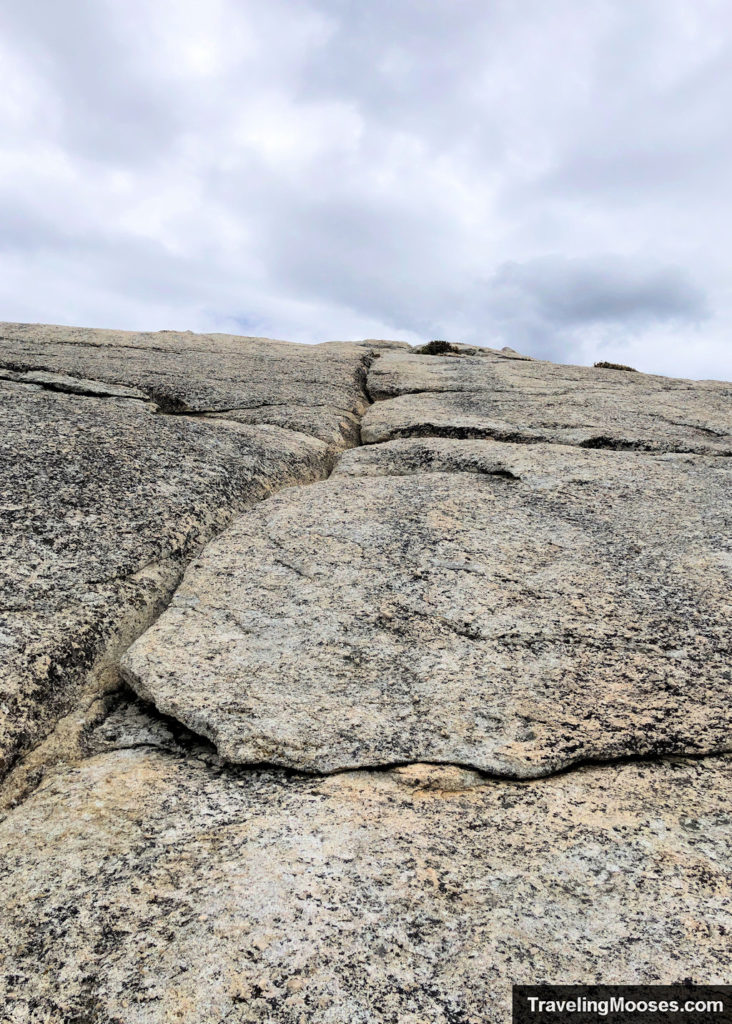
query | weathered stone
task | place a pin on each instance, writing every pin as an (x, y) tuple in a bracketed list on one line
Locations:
[(377, 343), (102, 503), (148, 887), (71, 385), (508, 398), (517, 608), (317, 389), (337, 428), (509, 607)]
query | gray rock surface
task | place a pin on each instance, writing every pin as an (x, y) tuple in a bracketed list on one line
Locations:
[(315, 389), (512, 608), (65, 384), (102, 503), (150, 887), (511, 399)]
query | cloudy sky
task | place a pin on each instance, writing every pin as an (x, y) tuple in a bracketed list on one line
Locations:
[(551, 176)]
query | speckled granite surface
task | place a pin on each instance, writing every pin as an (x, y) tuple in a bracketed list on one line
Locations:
[(516, 608), (496, 395), (511, 608), (147, 886)]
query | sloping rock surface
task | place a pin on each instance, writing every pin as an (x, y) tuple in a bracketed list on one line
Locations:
[(496, 395), (103, 500), (102, 504), (315, 389), (146, 887), (512, 608)]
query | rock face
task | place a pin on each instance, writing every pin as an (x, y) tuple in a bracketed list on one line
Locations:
[(102, 503), (317, 389), (439, 594), (510, 608), (496, 395), (103, 500), (148, 887)]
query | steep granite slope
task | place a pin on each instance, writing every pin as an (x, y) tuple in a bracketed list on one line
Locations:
[(446, 595), (150, 887)]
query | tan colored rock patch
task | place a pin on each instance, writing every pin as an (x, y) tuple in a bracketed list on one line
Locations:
[(150, 888), (314, 389), (514, 608)]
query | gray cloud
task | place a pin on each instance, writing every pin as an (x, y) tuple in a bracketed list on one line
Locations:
[(604, 288), (553, 177), (546, 301)]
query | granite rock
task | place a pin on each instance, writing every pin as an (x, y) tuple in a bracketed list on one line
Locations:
[(65, 384), (504, 608), (497, 395), (150, 887), (102, 504), (512, 608), (314, 389)]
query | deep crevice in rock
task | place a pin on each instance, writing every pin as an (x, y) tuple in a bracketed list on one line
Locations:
[(518, 437), (462, 434)]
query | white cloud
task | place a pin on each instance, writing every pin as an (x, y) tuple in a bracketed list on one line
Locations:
[(549, 176)]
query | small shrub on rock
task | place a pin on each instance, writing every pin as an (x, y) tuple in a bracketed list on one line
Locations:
[(438, 347), (614, 366)]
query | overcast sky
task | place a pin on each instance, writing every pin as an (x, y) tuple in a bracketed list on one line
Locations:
[(551, 176)]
